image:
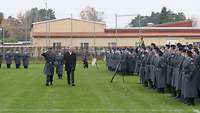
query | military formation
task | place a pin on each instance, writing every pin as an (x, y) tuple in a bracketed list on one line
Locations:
[(55, 60), (124, 59), (171, 69), (17, 57)]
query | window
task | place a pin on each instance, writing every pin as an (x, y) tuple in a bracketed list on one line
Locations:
[(112, 44), (84, 45), (57, 45)]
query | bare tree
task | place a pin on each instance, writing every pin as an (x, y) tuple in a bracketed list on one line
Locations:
[(1, 17), (90, 13)]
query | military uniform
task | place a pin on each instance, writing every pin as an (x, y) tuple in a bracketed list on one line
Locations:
[(161, 74), (1, 59), (17, 59), (8, 59), (49, 66), (59, 65), (25, 59), (189, 80)]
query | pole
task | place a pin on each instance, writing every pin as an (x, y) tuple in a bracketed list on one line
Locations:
[(46, 25), (140, 30), (3, 40), (116, 28), (94, 34), (26, 32), (71, 16)]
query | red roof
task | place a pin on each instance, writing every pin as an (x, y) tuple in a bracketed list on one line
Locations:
[(176, 24)]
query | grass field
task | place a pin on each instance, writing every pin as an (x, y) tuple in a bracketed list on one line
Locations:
[(23, 91)]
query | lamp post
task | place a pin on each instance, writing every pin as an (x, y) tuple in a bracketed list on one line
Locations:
[(2, 42), (47, 31)]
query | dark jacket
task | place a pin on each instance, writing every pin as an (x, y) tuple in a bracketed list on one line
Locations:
[(70, 61)]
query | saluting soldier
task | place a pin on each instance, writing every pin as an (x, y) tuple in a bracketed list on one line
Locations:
[(49, 66), (59, 64), (17, 59), (8, 58)]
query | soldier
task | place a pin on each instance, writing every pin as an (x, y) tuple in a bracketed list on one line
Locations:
[(8, 58), (59, 64), (170, 58), (25, 59), (1, 58), (49, 66), (197, 69), (160, 72), (142, 67), (152, 69), (108, 60), (17, 58), (178, 71), (132, 62), (123, 62), (189, 80), (85, 61)]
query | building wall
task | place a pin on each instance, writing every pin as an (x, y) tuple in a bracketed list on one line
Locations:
[(103, 42), (64, 25)]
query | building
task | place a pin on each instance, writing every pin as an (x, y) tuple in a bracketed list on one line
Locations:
[(82, 33)]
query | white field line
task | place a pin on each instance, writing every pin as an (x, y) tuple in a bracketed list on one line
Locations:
[(196, 111), (100, 110)]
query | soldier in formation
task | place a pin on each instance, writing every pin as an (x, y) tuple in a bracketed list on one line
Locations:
[(17, 57), (171, 68)]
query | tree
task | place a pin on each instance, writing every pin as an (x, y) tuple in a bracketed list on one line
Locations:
[(34, 15), (91, 14), (165, 16), (1, 17)]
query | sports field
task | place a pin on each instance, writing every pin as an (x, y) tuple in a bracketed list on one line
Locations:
[(24, 91)]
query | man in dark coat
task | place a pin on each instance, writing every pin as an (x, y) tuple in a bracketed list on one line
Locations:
[(17, 58), (8, 58), (59, 64), (49, 66), (25, 59), (1, 59), (70, 65)]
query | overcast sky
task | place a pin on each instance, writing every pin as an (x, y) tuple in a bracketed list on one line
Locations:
[(64, 7)]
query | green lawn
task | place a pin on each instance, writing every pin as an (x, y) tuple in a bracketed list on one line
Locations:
[(23, 91)]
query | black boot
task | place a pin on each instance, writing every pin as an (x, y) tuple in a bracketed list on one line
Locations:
[(161, 90), (47, 84), (190, 101), (145, 84), (178, 94), (173, 92)]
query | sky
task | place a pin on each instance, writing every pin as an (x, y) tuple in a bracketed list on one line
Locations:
[(63, 8)]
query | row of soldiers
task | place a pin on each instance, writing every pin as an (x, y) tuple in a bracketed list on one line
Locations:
[(18, 57), (122, 59), (175, 68), (171, 68)]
